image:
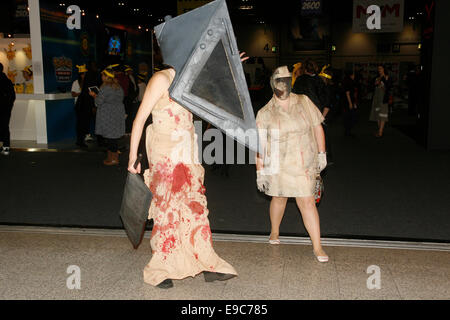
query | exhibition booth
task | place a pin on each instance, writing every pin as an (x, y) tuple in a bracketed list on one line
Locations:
[(42, 65)]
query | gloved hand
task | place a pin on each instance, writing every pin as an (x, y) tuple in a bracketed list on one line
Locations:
[(261, 181), (322, 157)]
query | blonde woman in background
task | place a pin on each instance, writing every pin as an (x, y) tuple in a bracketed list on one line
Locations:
[(296, 72), (110, 115)]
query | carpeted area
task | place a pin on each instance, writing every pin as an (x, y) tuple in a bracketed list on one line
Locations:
[(40, 267), (389, 188)]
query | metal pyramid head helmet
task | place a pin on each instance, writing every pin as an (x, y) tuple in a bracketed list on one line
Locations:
[(209, 81)]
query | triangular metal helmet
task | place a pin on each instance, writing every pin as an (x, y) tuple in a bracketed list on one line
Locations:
[(209, 81)]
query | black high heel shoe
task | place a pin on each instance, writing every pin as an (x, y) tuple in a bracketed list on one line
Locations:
[(213, 276), (166, 284)]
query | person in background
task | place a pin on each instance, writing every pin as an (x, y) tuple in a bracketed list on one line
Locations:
[(380, 102), (121, 77), (7, 98), (414, 83), (110, 115), (92, 79), (93, 76), (131, 100), (142, 85), (309, 84), (349, 102), (82, 106), (329, 98), (296, 72), (78, 84)]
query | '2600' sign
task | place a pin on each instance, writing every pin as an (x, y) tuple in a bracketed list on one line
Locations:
[(311, 6)]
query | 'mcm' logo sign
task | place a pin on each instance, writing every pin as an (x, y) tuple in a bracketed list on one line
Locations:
[(360, 10)]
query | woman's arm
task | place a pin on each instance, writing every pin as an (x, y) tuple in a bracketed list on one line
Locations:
[(259, 161), (76, 91), (320, 138), (262, 139), (349, 99), (157, 86), (100, 97)]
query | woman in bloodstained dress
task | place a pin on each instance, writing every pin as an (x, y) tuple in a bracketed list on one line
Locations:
[(181, 238)]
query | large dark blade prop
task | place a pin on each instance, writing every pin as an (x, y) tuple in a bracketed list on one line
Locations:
[(200, 45), (135, 204)]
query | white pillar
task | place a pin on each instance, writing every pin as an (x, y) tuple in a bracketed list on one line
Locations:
[(38, 72)]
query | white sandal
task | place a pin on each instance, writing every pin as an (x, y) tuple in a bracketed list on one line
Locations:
[(276, 241), (322, 259)]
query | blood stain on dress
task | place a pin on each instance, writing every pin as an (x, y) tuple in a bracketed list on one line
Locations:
[(202, 188), (206, 233), (169, 111), (196, 208), (194, 231), (168, 244), (181, 176)]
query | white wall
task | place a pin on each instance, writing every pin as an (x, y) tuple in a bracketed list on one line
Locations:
[(23, 120)]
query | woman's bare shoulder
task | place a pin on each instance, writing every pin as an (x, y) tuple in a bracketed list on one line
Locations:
[(160, 81), (161, 76)]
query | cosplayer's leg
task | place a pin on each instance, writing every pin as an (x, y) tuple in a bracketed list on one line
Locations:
[(381, 127), (311, 221), (277, 207)]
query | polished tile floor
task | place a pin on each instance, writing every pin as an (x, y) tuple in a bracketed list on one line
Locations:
[(35, 266)]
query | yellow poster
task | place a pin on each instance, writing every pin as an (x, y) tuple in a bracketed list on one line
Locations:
[(184, 6)]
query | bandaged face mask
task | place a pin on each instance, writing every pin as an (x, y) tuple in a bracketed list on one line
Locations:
[(280, 81), (282, 87)]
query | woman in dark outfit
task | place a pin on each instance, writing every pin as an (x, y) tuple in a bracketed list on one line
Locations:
[(7, 98), (349, 102), (328, 99), (380, 102)]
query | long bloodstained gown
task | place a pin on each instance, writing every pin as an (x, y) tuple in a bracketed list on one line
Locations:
[(181, 238)]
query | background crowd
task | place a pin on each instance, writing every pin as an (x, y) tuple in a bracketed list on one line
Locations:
[(337, 93), (106, 104)]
